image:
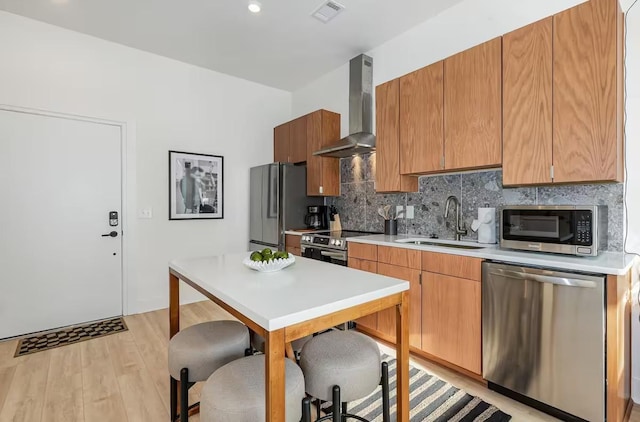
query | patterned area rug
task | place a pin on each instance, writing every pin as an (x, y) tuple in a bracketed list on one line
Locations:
[(431, 399), (78, 333)]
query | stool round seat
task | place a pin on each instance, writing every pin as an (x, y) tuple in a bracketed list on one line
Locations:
[(236, 392), (345, 358), (205, 347)]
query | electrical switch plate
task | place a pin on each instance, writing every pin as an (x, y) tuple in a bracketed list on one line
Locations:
[(409, 212), (398, 209), (145, 213)]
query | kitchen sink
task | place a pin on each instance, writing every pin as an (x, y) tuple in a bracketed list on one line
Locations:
[(444, 244)]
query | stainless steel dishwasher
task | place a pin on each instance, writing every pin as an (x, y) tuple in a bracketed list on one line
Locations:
[(543, 338)]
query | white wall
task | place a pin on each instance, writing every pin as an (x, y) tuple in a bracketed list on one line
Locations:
[(167, 105), (470, 23)]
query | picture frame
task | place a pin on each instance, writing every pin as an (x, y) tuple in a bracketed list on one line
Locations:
[(196, 186)]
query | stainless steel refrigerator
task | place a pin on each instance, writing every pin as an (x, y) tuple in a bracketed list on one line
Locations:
[(278, 201)]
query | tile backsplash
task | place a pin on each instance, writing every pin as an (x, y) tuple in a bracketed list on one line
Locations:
[(358, 203)]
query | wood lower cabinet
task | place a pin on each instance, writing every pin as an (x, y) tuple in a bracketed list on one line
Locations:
[(387, 318), (292, 244), (588, 93), (369, 321), (421, 120), (451, 320), (527, 68), (388, 177), (323, 173), (473, 107)]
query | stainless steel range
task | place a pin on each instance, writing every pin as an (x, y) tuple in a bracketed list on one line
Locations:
[(328, 246)]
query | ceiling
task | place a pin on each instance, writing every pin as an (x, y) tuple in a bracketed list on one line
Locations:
[(282, 46)]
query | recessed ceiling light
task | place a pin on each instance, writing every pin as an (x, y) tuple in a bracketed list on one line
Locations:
[(254, 6)]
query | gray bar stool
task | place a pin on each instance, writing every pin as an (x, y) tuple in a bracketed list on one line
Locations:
[(236, 392), (197, 351), (343, 366)]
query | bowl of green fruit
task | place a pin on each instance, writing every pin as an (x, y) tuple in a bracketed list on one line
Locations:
[(268, 261)]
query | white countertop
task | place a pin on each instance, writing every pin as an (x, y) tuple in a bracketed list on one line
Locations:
[(614, 263), (305, 290)]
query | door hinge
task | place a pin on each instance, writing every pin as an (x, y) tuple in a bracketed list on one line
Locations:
[(551, 171)]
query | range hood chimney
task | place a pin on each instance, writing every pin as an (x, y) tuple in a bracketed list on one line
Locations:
[(361, 139)]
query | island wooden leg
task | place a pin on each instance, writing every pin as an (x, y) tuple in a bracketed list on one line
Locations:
[(174, 305), (274, 376), (402, 358)]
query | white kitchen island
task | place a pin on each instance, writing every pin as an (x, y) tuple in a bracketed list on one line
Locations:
[(307, 297)]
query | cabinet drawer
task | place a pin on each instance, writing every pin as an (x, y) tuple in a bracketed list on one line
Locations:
[(363, 251), (399, 256), (292, 241), (453, 265)]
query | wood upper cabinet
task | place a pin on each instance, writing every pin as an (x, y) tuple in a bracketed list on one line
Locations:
[(451, 320), (323, 173), (369, 321), (421, 120), (281, 138), (298, 140), (588, 93), (527, 63), (473, 107), (387, 318), (388, 177)]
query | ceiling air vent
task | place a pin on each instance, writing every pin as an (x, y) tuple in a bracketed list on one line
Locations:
[(327, 11)]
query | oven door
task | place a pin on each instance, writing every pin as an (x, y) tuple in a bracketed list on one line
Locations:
[(325, 254)]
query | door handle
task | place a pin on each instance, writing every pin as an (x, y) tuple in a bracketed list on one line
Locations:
[(111, 234), (562, 281)]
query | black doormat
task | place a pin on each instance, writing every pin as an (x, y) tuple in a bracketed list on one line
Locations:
[(70, 335)]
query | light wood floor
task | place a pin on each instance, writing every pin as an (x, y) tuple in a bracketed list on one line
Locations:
[(123, 377)]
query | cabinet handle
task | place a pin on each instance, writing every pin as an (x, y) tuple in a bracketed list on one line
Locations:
[(320, 190)]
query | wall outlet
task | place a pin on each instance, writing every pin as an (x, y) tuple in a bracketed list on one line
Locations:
[(145, 213), (409, 212)]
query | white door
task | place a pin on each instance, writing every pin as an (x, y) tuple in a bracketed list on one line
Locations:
[(59, 179)]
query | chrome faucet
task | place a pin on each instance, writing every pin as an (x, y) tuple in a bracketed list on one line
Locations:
[(460, 228)]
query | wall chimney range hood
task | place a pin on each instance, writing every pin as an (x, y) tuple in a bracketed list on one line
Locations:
[(361, 139)]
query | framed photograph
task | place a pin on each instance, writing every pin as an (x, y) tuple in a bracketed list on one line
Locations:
[(195, 186)]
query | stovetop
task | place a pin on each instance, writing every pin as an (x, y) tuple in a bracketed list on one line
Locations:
[(332, 239)]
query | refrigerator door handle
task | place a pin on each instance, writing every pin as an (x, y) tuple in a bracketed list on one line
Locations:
[(562, 281)]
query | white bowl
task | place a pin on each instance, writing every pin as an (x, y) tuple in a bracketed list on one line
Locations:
[(269, 266)]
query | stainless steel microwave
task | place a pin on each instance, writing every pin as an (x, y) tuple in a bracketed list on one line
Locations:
[(562, 229)]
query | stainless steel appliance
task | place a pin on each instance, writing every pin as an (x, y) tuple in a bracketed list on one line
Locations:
[(328, 246), (277, 201), (543, 338), (563, 229), (317, 217), (361, 139)]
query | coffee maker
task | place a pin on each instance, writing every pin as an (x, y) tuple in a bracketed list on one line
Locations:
[(317, 217)]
